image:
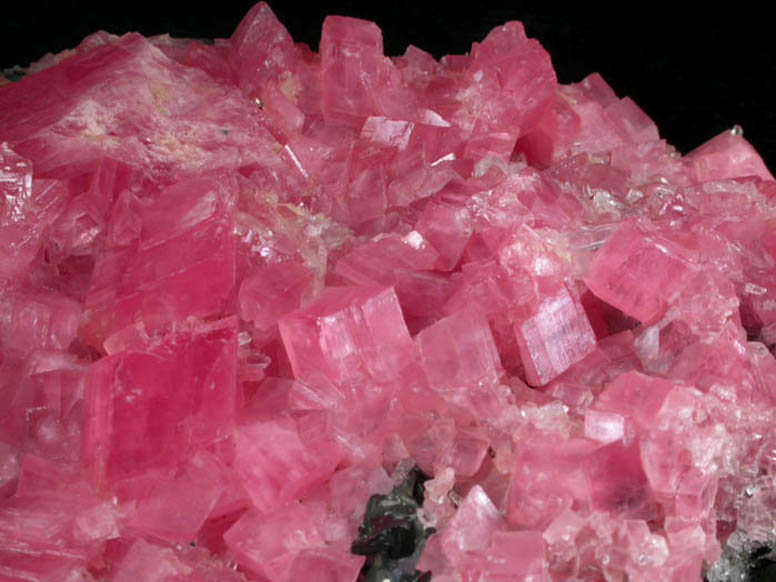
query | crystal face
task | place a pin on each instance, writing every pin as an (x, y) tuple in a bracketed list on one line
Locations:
[(277, 315)]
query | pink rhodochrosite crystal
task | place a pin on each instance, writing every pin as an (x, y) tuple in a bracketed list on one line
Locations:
[(277, 315)]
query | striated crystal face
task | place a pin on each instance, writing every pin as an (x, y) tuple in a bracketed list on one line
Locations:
[(279, 315)]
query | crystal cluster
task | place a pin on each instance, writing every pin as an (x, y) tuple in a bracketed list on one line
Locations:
[(245, 287)]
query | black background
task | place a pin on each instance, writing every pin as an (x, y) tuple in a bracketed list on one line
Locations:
[(696, 70)]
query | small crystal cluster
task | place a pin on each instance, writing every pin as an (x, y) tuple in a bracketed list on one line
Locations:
[(244, 287)]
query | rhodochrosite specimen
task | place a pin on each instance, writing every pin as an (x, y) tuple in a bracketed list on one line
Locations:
[(278, 315)]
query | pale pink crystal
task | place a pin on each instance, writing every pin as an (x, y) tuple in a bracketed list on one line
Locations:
[(459, 350), (725, 157), (547, 479), (272, 291), (515, 555), (639, 271), (469, 531), (275, 465), (262, 51), (353, 69), (268, 543), (349, 335), (555, 337), (158, 563), (175, 509)]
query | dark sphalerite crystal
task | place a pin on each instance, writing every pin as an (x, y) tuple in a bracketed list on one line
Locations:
[(755, 562), (13, 74), (762, 565), (391, 535)]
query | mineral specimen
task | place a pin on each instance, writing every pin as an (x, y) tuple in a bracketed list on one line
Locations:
[(277, 315)]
